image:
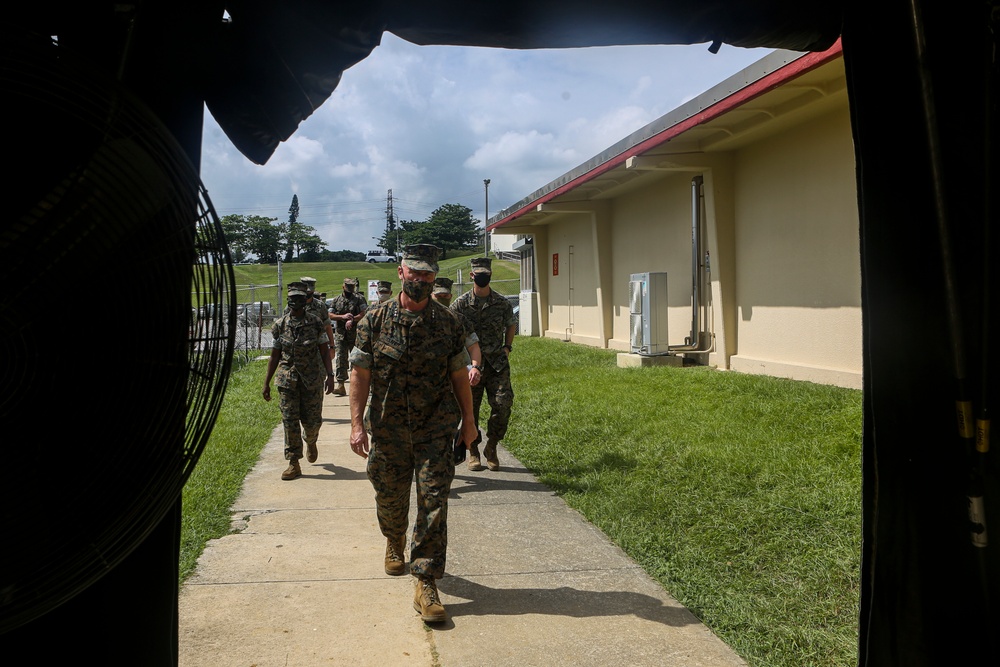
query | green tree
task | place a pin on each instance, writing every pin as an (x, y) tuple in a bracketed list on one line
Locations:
[(389, 239), (450, 227), (260, 237), (263, 238), (234, 230), (292, 225), (417, 231), (340, 256), (293, 228)]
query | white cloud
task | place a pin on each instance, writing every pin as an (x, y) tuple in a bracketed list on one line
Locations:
[(517, 148), (296, 156), (348, 170)]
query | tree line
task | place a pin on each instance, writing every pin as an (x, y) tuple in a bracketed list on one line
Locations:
[(264, 240), (267, 240)]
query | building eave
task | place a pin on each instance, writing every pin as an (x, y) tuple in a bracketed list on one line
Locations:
[(767, 74)]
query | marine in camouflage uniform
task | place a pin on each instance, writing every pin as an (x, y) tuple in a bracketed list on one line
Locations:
[(411, 352), (492, 318), (300, 364), (346, 310), (317, 305), (384, 292), (442, 294)]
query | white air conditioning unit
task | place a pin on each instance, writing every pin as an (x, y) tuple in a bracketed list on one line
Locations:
[(647, 297)]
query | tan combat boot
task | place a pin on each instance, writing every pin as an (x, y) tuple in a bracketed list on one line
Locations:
[(292, 471), (312, 453), (490, 452), (474, 463), (339, 389), (427, 602), (394, 563)]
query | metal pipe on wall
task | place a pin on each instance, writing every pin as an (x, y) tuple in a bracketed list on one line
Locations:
[(693, 342), (696, 282)]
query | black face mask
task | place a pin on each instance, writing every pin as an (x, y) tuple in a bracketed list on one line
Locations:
[(482, 279)]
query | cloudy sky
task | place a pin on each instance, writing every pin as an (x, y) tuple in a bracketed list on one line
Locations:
[(431, 122)]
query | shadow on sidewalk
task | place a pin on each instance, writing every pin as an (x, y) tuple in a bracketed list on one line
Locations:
[(483, 483), (561, 601), (332, 472)]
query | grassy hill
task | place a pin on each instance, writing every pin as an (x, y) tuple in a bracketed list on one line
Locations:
[(330, 275)]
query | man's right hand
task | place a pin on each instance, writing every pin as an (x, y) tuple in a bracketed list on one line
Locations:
[(359, 442)]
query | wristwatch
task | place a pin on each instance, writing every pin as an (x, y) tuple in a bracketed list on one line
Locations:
[(477, 367), (509, 348)]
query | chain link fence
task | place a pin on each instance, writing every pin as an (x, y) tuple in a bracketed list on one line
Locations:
[(257, 306)]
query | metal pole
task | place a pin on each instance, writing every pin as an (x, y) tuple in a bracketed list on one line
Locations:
[(486, 219)]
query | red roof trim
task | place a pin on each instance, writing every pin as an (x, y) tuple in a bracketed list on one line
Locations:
[(767, 83)]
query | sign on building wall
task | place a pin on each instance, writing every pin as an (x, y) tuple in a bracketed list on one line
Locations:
[(555, 264)]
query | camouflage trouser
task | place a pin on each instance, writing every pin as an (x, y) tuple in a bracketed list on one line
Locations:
[(499, 393), (301, 410), (392, 464), (344, 344)]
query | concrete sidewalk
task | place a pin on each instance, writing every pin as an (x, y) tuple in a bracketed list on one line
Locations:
[(529, 581)]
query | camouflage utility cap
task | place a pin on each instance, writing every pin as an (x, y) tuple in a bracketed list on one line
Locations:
[(384, 287), (351, 281), (421, 257), (481, 265), (297, 289), (310, 282), (442, 285)]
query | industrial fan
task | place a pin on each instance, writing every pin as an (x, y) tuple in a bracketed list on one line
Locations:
[(116, 317)]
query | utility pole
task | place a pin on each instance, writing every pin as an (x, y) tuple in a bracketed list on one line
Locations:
[(486, 234)]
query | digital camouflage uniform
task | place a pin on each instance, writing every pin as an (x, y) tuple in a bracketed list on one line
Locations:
[(316, 307), (442, 286), (490, 317), (414, 417), (299, 378), (344, 339)]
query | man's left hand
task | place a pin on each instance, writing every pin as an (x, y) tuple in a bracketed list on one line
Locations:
[(470, 431), (330, 383)]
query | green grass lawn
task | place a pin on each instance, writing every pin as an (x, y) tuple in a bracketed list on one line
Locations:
[(330, 275), (741, 494)]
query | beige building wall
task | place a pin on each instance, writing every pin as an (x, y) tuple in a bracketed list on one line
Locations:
[(780, 226), (797, 262), (572, 294), (653, 233), (781, 218)]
